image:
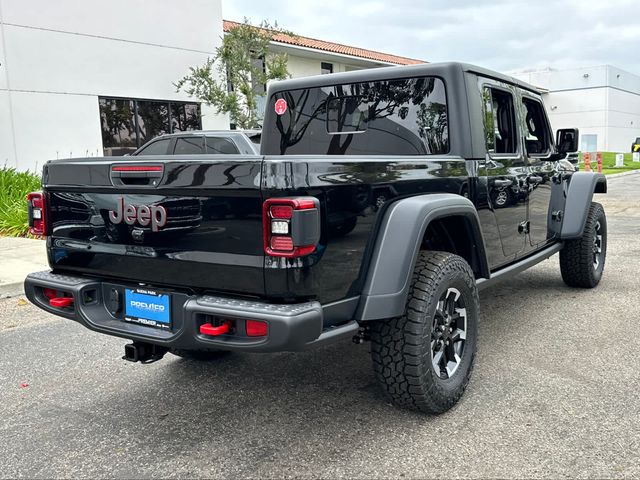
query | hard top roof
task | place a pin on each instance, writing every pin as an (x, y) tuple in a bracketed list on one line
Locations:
[(390, 73)]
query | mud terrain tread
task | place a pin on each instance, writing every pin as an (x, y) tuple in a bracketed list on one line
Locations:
[(400, 347), (576, 257)]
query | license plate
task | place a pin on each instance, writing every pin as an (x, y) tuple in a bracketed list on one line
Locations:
[(147, 307)]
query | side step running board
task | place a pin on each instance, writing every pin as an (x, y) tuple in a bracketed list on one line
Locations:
[(519, 266), (331, 334)]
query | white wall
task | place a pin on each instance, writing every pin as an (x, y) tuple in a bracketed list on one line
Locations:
[(601, 100), (56, 131), (60, 56), (612, 114), (305, 62), (623, 120), (583, 109), (303, 66), (7, 154)]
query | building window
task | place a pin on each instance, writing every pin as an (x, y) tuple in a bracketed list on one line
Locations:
[(153, 120), (326, 68), (118, 120), (185, 117), (128, 124), (589, 142), (258, 87)]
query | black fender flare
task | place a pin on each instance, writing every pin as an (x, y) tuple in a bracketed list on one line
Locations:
[(397, 245), (582, 186)]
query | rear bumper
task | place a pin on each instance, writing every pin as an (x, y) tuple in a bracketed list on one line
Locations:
[(291, 327)]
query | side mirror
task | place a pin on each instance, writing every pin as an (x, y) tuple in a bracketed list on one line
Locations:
[(567, 140)]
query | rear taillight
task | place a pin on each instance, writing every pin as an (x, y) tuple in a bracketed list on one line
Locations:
[(291, 226), (37, 214)]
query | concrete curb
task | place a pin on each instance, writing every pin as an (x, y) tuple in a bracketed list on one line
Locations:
[(9, 290), (18, 258), (623, 174)]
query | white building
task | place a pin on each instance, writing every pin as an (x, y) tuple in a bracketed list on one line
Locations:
[(86, 78), (603, 102), (64, 64), (310, 56)]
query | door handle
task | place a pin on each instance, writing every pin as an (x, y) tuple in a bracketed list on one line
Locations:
[(534, 180), (503, 183)]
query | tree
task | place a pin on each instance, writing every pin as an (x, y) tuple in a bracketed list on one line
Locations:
[(232, 80)]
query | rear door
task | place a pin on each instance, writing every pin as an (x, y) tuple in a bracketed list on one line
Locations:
[(190, 221), (505, 165)]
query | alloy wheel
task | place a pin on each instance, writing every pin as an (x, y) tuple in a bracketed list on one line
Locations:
[(597, 246), (448, 333)]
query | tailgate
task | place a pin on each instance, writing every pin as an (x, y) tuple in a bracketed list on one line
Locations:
[(180, 221)]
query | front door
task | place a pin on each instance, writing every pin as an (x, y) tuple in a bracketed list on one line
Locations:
[(540, 171)]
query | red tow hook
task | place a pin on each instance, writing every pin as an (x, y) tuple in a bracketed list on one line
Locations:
[(208, 329), (61, 302)]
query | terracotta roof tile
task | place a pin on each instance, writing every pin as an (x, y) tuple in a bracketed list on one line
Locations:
[(334, 47)]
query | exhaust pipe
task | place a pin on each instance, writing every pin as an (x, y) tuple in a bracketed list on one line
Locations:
[(143, 352)]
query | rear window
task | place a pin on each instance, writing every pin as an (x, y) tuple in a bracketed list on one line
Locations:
[(391, 117)]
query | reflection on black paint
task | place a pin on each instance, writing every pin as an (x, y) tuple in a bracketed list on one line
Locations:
[(209, 207), (393, 117)]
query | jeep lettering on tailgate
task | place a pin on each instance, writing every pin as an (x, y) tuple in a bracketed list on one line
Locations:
[(154, 215)]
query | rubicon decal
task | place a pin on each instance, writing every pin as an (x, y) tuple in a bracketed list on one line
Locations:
[(145, 215)]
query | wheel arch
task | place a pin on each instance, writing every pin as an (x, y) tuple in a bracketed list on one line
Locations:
[(434, 221), (581, 188)]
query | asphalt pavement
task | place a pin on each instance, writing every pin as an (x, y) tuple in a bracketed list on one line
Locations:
[(555, 393)]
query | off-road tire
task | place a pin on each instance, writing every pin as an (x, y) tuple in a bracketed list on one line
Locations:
[(200, 355), (401, 348), (577, 257)]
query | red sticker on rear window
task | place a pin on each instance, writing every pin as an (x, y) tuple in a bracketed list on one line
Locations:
[(281, 106)]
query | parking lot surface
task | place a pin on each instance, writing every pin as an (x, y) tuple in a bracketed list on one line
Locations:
[(555, 392)]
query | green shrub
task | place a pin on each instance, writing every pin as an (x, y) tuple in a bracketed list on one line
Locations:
[(14, 187)]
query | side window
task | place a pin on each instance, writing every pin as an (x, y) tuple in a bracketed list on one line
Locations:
[(537, 133), (219, 145), (500, 121), (156, 148), (188, 146)]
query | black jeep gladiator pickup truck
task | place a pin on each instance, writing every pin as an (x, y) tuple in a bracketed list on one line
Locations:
[(381, 202)]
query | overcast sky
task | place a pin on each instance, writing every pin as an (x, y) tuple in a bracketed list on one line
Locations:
[(499, 34)]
